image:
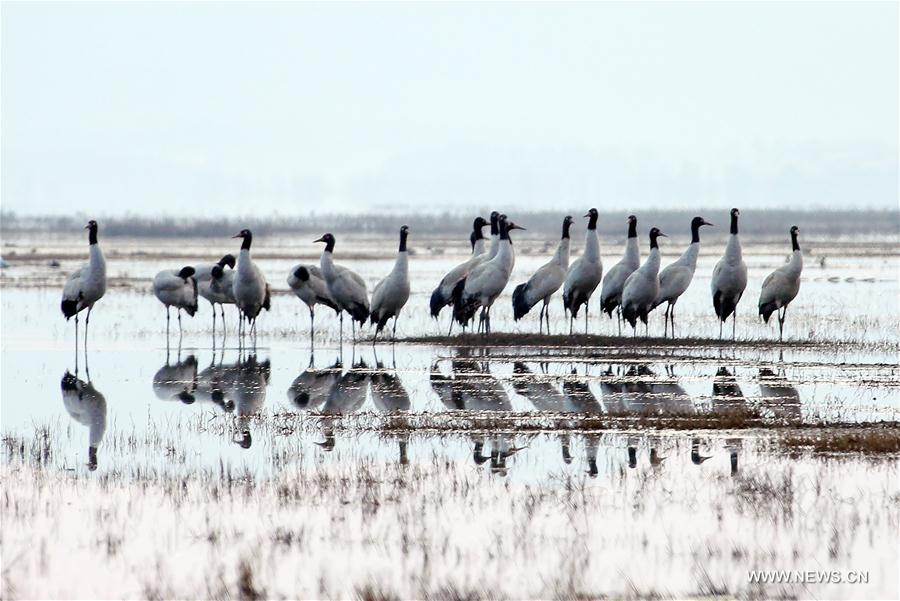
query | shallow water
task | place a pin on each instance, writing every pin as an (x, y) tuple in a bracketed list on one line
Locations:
[(213, 460)]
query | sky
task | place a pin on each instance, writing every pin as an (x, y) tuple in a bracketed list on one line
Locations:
[(212, 109)]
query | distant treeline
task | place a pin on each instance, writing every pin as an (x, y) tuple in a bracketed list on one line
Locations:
[(759, 222)]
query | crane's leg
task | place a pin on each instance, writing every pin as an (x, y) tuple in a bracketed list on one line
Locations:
[(619, 317), (781, 318), (672, 319), (720, 329), (312, 324), (571, 323), (353, 329), (213, 305), (733, 323), (168, 322), (451, 326), (76, 344), (646, 327), (180, 331), (585, 318), (666, 321), (547, 315), (224, 324), (394, 331), (341, 336), (87, 322)]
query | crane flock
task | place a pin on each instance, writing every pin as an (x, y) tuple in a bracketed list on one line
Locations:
[(632, 289)]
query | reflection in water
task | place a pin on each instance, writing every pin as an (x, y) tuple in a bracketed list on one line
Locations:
[(734, 446), (177, 382), (310, 389), (212, 386), (247, 383), (345, 396), (471, 387), (87, 406), (726, 393), (696, 457), (390, 396), (779, 396)]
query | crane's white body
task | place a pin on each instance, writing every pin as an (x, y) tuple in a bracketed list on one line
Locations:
[(87, 284), (729, 280), (584, 275), (391, 293), (216, 291), (174, 291), (782, 285), (541, 286), (642, 287), (675, 279), (487, 280), (347, 288), (249, 286), (614, 282), (313, 290)]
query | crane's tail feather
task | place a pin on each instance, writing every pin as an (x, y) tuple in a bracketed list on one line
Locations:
[(609, 304), (69, 307), (439, 300), (766, 310), (359, 313), (520, 303), (463, 309), (717, 304), (631, 315), (328, 303), (728, 305)]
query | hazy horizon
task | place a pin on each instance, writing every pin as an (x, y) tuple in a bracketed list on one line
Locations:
[(228, 109)]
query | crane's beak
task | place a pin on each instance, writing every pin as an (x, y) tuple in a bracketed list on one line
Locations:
[(705, 222), (662, 235), (237, 236), (516, 227), (319, 240), (87, 227), (586, 215)]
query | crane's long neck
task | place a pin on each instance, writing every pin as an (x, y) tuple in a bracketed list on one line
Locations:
[(562, 250), (632, 252), (96, 259), (592, 245), (795, 265), (245, 263), (401, 264), (478, 246), (733, 249), (495, 246), (326, 263), (653, 259)]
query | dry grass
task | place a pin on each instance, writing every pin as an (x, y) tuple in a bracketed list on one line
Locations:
[(875, 440)]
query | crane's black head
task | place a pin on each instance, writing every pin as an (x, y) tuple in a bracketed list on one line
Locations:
[(404, 232), (92, 231), (734, 220), (186, 272), (592, 219), (479, 223), (696, 222), (227, 260), (301, 273), (632, 226), (495, 223), (247, 235), (328, 239), (654, 234), (795, 243), (567, 223)]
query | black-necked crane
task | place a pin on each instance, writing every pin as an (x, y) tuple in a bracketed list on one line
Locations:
[(391, 293), (443, 294), (729, 278), (307, 282), (491, 251), (251, 291), (642, 286), (347, 288), (676, 277), (544, 283), (482, 286), (614, 282), (782, 285), (584, 274), (176, 288), (86, 285), (211, 287)]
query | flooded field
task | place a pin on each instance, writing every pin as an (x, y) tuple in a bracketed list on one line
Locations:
[(519, 466)]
